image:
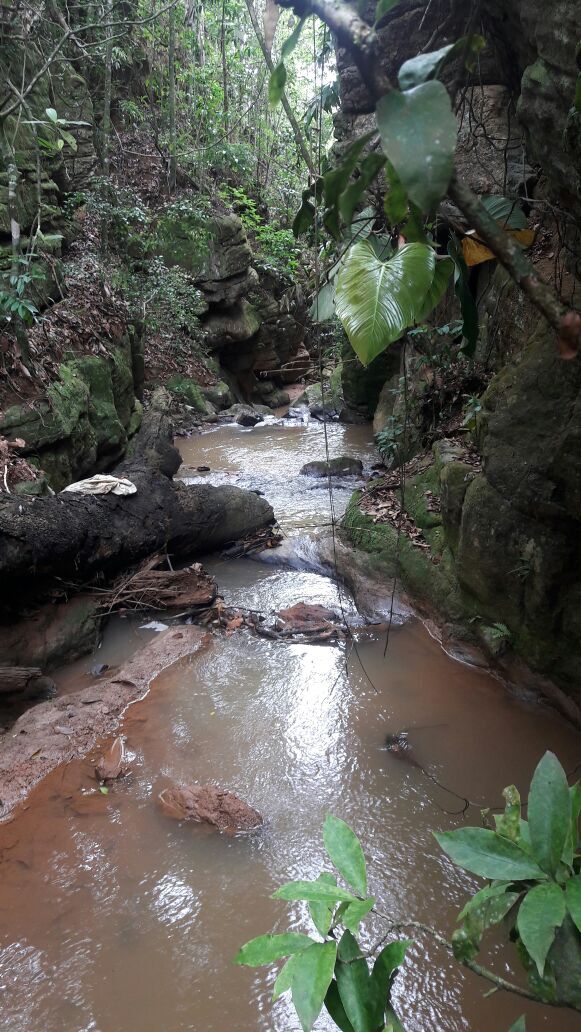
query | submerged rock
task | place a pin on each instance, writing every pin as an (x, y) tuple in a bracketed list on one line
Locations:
[(343, 466), (210, 804)]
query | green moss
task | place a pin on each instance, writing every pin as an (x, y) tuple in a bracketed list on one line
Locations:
[(108, 429), (188, 391)]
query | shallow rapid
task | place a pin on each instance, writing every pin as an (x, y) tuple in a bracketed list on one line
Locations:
[(116, 919)]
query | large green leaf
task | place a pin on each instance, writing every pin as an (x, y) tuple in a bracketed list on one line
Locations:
[(395, 203), (353, 193), (422, 67), (504, 210), (355, 912), (313, 890), (376, 301), (541, 912), (344, 849), (573, 899), (465, 297), (442, 272), (267, 948), (336, 1008), (549, 812), (573, 836), (276, 84), (418, 134), (361, 997), (311, 978), (519, 1025), (489, 892), (323, 306), (322, 913), (428, 66), (284, 979), (386, 964), (485, 853), (290, 43)]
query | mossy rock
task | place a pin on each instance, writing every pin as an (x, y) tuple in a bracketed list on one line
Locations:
[(219, 394), (189, 391), (109, 430)]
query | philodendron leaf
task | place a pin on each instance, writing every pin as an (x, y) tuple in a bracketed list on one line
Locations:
[(323, 306), (423, 67), (573, 899), (311, 977), (442, 273), (322, 913), (485, 853), (418, 134), (377, 300), (267, 948), (313, 890), (541, 912), (344, 849), (549, 812)]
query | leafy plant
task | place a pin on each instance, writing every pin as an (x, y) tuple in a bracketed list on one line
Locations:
[(534, 872), (388, 440), (333, 970)]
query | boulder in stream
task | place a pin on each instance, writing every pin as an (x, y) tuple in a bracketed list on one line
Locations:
[(343, 466), (245, 415), (210, 804)]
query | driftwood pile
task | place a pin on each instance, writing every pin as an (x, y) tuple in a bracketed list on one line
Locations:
[(152, 588)]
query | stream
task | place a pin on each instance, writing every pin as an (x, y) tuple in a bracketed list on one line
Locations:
[(117, 919)]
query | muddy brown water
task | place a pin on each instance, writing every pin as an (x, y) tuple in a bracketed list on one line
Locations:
[(116, 919)]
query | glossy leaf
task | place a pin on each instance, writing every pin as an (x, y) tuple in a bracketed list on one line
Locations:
[(311, 978), (276, 84), (337, 179), (322, 913), (387, 963), (418, 134), (504, 210), (482, 896), (422, 67), (313, 890), (267, 948), (377, 300), (549, 812), (428, 66), (284, 978), (485, 853), (395, 203), (52, 115), (355, 912), (323, 306), (361, 998), (442, 273), (541, 912), (336, 1008), (573, 899), (344, 849), (349, 199)]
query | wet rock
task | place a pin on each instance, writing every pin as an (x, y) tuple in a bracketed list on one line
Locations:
[(112, 764), (97, 669), (211, 804), (245, 415), (343, 466)]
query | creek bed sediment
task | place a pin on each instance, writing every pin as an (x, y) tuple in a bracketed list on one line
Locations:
[(115, 918)]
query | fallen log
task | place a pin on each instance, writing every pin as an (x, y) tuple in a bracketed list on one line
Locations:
[(150, 588), (70, 538)]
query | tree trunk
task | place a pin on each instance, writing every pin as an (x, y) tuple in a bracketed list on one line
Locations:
[(70, 538), (172, 100), (296, 129)]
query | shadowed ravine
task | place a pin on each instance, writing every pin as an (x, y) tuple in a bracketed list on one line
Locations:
[(115, 918)]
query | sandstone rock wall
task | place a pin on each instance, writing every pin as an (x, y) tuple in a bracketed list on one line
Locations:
[(507, 540)]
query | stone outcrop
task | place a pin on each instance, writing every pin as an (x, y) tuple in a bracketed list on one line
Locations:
[(503, 558)]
